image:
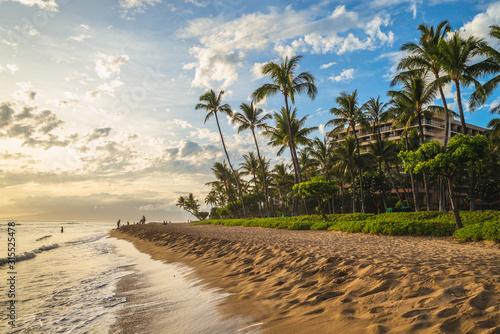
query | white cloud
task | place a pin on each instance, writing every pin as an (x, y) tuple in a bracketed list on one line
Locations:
[(79, 38), (394, 58), (13, 68), (202, 133), (257, 70), (107, 88), (42, 4), (327, 65), (479, 26), (178, 123), (106, 65), (344, 76), (224, 45), (197, 3), (140, 4), (27, 30), (413, 4), (321, 129), (26, 94)]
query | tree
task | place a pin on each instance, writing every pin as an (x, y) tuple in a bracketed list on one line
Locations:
[(349, 114), (432, 158), (427, 57), (212, 103), (190, 204), (376, 113), (252, 118), (319, 189), (416, 97), (284, 81)]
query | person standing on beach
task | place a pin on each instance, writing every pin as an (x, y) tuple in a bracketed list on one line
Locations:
[(62, 229), (118, 223)]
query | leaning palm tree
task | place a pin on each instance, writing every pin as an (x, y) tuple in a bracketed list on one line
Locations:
[(252, 118), (426, 56), (212, 103), (350, 114), (376, 113), (284, 81)]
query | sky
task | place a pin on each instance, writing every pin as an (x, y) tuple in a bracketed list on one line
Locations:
[(97, 97)]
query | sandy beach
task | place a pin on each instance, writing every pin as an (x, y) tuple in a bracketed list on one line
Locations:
[(335, 282)]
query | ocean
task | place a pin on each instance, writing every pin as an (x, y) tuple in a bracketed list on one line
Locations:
[(67, 283)]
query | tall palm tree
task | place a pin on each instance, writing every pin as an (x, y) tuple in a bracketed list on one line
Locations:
[(284, 81), (252, 118), (457, 55), (212, 103), (376, 113), (321, 152), (427, 56), (223, 176), (283, 182), (415, 98), (350, 114)]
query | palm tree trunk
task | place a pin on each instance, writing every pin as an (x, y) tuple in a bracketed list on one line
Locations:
[(263, 173), (426, 186), (393, 184), (382, 192), (353, 186), (446, 113), (472, 203), (292, 142), (231, 166), (360, 175), (454, 206)]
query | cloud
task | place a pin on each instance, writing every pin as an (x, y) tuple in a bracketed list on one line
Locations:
[(197, 3), (178, 123), (13, 68), (413, 4), (135, 6), (106, 65), (327, 65), (34, 128), (344, 76), (479, 26), (394, 58), (107, 88), (26, 94), (223, 46), (79, 38), (98, 133), (42, 4)]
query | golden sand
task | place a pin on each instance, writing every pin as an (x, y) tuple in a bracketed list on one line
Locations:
[(334, 282)]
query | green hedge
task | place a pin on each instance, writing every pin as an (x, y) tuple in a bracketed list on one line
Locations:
[(477, 225)]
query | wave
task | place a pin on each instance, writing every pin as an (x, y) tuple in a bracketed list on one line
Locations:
[(26, 255), (43, 238)]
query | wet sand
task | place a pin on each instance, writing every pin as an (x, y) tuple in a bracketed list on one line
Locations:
[(335, 282)]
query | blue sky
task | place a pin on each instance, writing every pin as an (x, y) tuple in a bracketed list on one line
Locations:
[(97, 98)]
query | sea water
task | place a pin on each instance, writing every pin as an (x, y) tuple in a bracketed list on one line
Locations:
[(66, 283)]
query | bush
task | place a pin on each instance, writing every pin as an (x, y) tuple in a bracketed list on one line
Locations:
[(477, 225)]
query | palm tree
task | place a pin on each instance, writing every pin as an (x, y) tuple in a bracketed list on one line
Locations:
[(427, 56), (489, 87), (250, 166), (349, 160), (349, 114), (323, 159), (457, 54), (376, 113), (416, 97), (212, 103), (284, 81), (252, 118), (279, 135), (223, 183), (283, 182)]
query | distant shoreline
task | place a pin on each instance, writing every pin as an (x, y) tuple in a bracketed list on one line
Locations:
[(334, 282)]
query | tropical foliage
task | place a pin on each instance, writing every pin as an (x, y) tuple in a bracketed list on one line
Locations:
[(376, 154)]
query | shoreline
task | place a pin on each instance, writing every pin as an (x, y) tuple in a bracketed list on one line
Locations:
[(325, 281)]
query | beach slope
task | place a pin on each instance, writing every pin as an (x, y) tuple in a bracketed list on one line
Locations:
[(334, 282)]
